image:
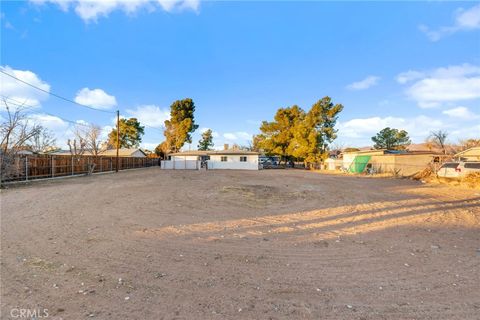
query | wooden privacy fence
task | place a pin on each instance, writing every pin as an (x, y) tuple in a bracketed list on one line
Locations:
[(30, 167)]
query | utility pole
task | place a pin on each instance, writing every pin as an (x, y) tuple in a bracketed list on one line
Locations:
[(118, 138)]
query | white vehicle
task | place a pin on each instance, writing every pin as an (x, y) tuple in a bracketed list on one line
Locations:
[(458, 169)]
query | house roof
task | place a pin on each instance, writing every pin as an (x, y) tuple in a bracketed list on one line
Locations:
[(475, 151), (213, 152), (122, 152), (190, 153), (394, 152)]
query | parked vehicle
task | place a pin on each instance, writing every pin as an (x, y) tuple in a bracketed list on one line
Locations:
[(458, 169)]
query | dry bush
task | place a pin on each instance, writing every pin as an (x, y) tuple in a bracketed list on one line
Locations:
[(424, 174), (472, 180)]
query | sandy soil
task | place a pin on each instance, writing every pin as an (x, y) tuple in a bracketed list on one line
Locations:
[(273, 244)]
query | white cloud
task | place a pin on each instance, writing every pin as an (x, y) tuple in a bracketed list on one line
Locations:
[(95, 98), (450, 84), (408, 76), (366, 83), (359, 131), (230, 136), (91, 10), (150, 115), (237, 136), (465, 20), (61, 129), (462, 113), (19, 92), (465, 132)]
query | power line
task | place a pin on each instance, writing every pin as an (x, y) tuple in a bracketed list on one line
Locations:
[(26, 106), (20, 104), (54, 94)]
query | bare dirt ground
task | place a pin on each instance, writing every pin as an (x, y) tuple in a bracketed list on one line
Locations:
[(273, 244)]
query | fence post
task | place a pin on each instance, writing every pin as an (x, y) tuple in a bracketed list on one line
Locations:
[(72, 164), (26, 168), (111, 164), (53, 166)]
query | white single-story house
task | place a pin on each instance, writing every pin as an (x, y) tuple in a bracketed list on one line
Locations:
[(212, 160)]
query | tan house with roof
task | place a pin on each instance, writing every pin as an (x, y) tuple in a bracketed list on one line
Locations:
[(404, 163), (472, 154)]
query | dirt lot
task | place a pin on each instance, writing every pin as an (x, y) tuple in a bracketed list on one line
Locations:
[(284, 244)]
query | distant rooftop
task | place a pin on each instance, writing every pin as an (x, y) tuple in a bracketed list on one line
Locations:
[(214, 152)]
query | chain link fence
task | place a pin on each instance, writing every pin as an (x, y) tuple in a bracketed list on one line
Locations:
[(33, 167)]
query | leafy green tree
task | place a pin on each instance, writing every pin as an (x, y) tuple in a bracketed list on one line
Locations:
[(131, 133), (317, 130), (391, 139), (206, 143), (277, 135), (181, 124), (161, 150)]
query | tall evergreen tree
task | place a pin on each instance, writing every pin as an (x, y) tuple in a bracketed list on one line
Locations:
[(277, 135), (313, 135), (206, 143), (391, 139), (295, 133), (179, 127), (131, 133)]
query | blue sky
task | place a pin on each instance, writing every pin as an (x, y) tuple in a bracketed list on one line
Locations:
[(409, 65)]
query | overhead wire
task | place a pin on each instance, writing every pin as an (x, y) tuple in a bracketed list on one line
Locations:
[(54, 94), (26, 106), (69, 100)]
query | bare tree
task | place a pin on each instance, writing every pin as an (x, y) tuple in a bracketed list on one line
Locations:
[(77, 147), (469, 143), (92, 135), (438, 139), (87, 139), (42, 141), (16, 130)]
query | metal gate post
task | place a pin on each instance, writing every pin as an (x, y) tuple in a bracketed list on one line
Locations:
[(26, 168)]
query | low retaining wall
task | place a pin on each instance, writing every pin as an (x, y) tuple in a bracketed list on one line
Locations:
[(180, 164)]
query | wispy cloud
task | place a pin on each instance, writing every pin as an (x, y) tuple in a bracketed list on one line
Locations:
[(237, 136), (449, 84), (358, 132), (91, 10), (462, 113), (151, 115), (366, 83), (465, 20)]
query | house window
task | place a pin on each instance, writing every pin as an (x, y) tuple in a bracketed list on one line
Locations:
[(243, 159), (223, 159)]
